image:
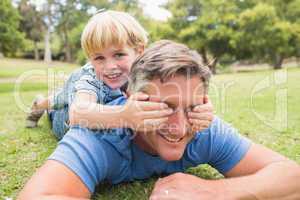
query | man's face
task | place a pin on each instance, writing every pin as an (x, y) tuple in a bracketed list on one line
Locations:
[(180, 94)]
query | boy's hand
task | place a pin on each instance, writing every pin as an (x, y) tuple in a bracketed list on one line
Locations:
[(141, 114), (201, 116)]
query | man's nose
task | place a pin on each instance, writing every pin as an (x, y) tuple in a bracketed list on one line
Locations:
[(178, 123)]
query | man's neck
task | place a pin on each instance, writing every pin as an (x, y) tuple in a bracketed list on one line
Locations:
[(140, 142)]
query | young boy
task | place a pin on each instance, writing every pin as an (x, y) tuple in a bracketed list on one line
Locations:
[(112, 41)]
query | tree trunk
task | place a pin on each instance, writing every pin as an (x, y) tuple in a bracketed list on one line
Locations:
[(213, 66), (204, 56), (36, 51), (278, 62), (68, 49), (47, 54)]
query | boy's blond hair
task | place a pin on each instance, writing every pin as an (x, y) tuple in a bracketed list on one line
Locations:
[(112, 28)]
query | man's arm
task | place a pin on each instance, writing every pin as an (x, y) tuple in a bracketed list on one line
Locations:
[(54, 181), (261, 174), (77, 165), (265, 174)]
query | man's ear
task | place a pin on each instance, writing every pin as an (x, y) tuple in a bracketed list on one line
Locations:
[(127, 94), (140, 49)]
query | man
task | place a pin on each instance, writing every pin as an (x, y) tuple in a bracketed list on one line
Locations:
[(171, 73)]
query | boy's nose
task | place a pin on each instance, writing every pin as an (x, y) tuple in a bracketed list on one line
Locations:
[(110, 64)]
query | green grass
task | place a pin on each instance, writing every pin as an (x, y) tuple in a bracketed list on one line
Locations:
[(12, 68), (22, 150)]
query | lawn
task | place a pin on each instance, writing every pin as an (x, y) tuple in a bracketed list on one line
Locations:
[(272, 118)]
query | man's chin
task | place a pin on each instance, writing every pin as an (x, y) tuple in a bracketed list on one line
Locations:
[(171, 155)]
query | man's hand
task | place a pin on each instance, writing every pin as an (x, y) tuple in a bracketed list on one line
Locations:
[(181, 186), (141, 114), (201, 116)]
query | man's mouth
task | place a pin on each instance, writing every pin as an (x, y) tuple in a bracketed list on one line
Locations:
[(171, 139)]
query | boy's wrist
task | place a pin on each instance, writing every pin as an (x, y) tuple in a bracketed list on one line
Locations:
[(123, 117)]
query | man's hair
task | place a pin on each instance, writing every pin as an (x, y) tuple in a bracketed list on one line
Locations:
[(165, 59), (112, 28)]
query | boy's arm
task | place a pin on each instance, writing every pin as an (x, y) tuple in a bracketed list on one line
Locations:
[(138, 113), (54, 181), (86, 112)]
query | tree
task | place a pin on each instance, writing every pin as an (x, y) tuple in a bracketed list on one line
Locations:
[(11, 39), (264, 36), (31, 24), (208, 26), (285, 37), (69, 16)]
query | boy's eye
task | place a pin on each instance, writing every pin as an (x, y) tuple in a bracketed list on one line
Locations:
[(119, 55), (99, 58)]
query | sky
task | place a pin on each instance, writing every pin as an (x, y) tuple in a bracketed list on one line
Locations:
[(152, 9)]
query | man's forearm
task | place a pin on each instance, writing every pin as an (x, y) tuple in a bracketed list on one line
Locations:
[(276, 181)]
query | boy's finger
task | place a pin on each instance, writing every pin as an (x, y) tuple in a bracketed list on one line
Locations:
[(203, 108), (198, 122), (155, 98), (149, 105), (156, 114), (200, 115), (140, 96), (205, 99)]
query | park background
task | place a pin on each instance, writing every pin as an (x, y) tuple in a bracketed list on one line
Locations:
[(252, 47)]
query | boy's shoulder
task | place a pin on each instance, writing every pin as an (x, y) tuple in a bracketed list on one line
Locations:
[(86, 70)]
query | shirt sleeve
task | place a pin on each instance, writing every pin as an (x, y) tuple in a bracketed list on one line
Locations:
[(86, 83), (84, 154), (227, 146)]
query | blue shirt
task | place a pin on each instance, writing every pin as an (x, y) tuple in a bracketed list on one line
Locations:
[(112, 155)]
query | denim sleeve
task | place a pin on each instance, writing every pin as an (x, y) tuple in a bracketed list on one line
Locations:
[(227, 146), (84, 154)]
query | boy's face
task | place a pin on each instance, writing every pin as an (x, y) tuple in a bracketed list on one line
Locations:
[(180, 94), (112, 65)]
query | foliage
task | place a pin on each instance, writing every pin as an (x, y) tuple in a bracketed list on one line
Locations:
[(11, 39), (264, 36), (208, 26), (221, 31)]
